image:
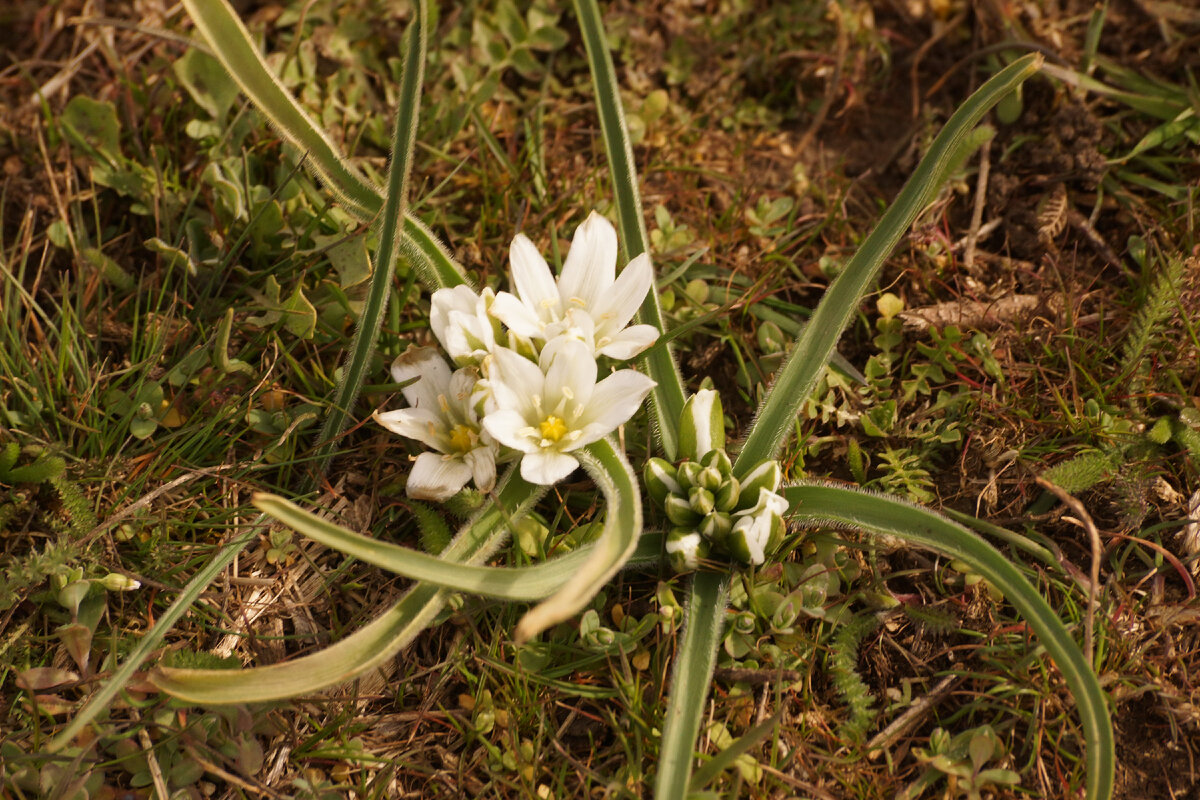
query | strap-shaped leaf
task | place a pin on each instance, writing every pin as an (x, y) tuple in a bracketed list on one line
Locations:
[(371, 319), (879, 514), (370, 646), (617, 541), (668, 396), (534, 582), (690, 681), (800, 372), (229, 40)]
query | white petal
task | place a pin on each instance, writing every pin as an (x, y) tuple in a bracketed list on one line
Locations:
[(614, 401), (547, 466), (591, 263), (618, 305), (505, 426), (531, 275), (629, 342), (442, 303), (421, 424), (570, 373), (519, 317), (431, 370), (436, 477), (515, 381), (482, 461)]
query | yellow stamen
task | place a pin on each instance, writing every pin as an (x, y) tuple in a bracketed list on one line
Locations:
[(553, 428), (462, 438)]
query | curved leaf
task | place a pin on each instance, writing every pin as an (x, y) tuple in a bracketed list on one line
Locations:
[(230, 42), (506, 583), (617, 542), (368, 647), (878, 514)]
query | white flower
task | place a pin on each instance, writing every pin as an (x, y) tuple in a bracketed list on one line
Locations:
[(442, 414), (587, 302), (459, 319), (549, 409)]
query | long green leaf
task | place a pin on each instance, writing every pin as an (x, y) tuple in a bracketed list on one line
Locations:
[(617, 541), (690, 681), (371, 319), (370, 646), (534, 582), (668, 396), (799, 374), (885, 515), (229, 40)]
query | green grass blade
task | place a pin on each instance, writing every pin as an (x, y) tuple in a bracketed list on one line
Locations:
[(390, 229), (690, 681), (229, 40), (668, 396), (108, 692), (617, 542), (727, 757), (507, 583), (885, 515), (370, 646), (802, 369)]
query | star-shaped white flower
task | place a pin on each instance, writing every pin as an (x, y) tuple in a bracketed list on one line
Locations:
[(549, 409), (588, 302), (460, 321), (443, 414)]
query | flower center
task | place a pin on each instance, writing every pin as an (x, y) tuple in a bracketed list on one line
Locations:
[(462, 438), (552, 428)]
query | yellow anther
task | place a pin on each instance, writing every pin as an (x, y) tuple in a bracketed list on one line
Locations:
[(553, 428), (462, 438)]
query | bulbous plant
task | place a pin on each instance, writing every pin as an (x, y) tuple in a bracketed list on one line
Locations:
[(523, 390)]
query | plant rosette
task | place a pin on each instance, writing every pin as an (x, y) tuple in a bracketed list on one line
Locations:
[(711, 511)]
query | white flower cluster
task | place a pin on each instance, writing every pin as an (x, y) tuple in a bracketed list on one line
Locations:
[(531, 391)]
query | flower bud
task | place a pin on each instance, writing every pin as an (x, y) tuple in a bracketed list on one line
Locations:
[(116, 582), (709, 478), (688, 474), (702, 427), (701, 500), (685, 549), (766, 475), (728, 494), (680, 512), (754, 537), (716, 526), (719, 460), (661, 481)]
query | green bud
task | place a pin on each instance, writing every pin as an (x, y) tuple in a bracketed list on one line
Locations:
[(727, 495), (718, 460), (680, 512), (688, 474), (766, 475), (743, 622), (116, 582), (716, 526), (753, 538), (685, 549), (702, 427), (709, 478), (701, 500), (661, 481)]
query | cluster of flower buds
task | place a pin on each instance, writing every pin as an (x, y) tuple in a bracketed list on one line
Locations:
[(713, 513)]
